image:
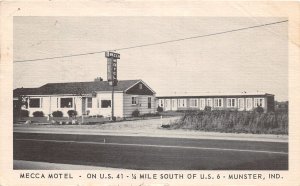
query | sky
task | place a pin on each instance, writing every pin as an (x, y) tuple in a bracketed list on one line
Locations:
[(253, 60)]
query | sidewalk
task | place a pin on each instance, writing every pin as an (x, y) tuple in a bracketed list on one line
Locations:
[(147, 128)]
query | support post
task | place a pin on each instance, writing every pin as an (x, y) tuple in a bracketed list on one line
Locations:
[(112, 76), (112, 102)]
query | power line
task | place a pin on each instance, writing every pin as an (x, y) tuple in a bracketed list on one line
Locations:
[(57, 57), (152, 44)]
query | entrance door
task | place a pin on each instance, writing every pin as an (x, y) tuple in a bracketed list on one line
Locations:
[(202, 104), (241, 104), (168, 104), (174, 104)]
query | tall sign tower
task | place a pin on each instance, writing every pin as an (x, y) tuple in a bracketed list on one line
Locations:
[(112, 77)]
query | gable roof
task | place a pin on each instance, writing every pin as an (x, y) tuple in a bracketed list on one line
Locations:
[(140, 81), (76, 88)]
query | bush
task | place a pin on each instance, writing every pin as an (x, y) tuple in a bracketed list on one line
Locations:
[(207, 108), (24, 113), (95, 116), (151, 114), (135, 113), (159, 109), (72, 113), (38, 114), (57, 114), (165, 126), (259, 109)]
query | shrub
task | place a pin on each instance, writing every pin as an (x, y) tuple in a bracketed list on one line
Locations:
[(57, 114), (207, 108), (72, 113), (151, 114), (259, 109), (38, 114), (159, 109), (95, 116), (24, 113), (165, 126), (135, 113)]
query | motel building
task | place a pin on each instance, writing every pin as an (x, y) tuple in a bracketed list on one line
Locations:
[(239, 102), (88, 98)]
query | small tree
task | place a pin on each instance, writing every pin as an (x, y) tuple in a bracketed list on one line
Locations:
[(159, 109), (259, 109), (136, 113)]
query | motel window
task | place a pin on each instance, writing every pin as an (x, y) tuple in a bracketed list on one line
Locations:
[(182, 103), (141, 86), (66, 102), (34, 102), (89, 102), (134, 100), (231, 102), (258, 102), (105, 103), (149, 102), (218, 102), (209, 102), (202, 103), (194, 102)]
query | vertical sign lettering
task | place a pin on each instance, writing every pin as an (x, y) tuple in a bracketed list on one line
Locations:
[(112, 67)]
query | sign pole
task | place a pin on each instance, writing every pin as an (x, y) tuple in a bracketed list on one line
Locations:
[(112, 76), (112, 102)]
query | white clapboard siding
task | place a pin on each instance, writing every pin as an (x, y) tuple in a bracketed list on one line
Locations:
[(142, 104)]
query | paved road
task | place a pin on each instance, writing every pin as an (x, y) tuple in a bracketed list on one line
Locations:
[(153, 153)]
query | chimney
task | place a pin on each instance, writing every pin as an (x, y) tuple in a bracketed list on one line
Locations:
[(98, 79)]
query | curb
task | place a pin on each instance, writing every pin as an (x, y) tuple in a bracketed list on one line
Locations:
[(35, 165)]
